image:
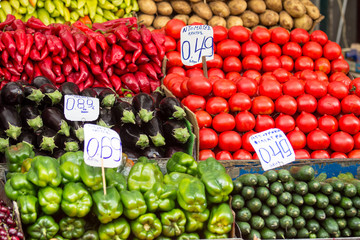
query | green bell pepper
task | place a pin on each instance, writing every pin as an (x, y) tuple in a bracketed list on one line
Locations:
[(50, 199), (72, 227), (210, 165), (118, 229), (173, 222), (221, 219), (28, 207), (134, 203), (115, 179), (210, 235), (191, 195), (175, 178), (183, 163), (218, 186), (107, 207), (90, 235), (58, 237), (147, 226), (188, 236), (70, 163), (91, 176), (162, 238), (195, 221), (76, 200), (160, 198), (16, 154), (143, 175), (44, 228), (18, 185), (44, 172)]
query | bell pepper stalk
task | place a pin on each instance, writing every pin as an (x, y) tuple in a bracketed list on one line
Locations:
[(71, 228), (175, 178), (173, 223), (20, 40), (134, 204), (210, 235), (183, 163), (196, 221), (44, 171), (8, 41), (76, 200), (160, 198), (28, 208), (107, 207), (147, 226), (210, 165), (91, 176), (49, 199), (117, 229), (17, 186), (90, 235), (115, 179), (16, 154), (44, 228), (191, 195), (221, 219), (188, 236)]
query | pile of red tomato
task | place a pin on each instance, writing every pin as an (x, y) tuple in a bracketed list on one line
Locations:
[(295, 81)]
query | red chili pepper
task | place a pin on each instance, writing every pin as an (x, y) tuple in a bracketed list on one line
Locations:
[(137, 53), (143, 81), (128, 58), (67, 67), (110, 71), (149, 70), (145, 34), (150, 49), (120, 72), (11, 68), (96, 57), (50, 43), (30, 31), (2, 72), (18, 67), (95, 69), (134, 35), (103, 77), (18, 24), (85, 51), (46, 69), (24, 77), (57, 60), (67, 39), (81, 86), (5, 56), (71, 78), (99, 38), (14, 78), (80, 40), (18, 58), (159, 41), (154, 84), (3, 83), (116, 83), (156, 61), (120, 21), (98, 84), (142, 59), (8, 21), (59, 47), (57, 70), (84, 73), (7, 75), (121, 32), (2, 46), (129, 46), (130, 81), (40, 41), (63, 53), (91, 44), (60, 79), (74, 58), (44, 53), (7, 39), (34, 54), (20, 40), (85, 59), (29, 43), (121, 64), (110, 38), (29, 69), (117, 53), (36, 24), (89, 82), (106, 59), (37, 71), (132, 67)]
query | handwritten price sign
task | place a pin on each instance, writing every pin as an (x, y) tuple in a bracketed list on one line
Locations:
[(102, 143), (273, 148), (196, 41), (80, 108)]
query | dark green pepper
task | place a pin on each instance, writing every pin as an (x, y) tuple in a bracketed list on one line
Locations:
[(90, 235), (175, 178), (147, 226), (173, 223), (183, 163), (134, 203), (91, 176), (210, 165), (50, 199), (160, 198), (218, 186), (116, 179), (162, 238), (72, 227), (210, 235), (76, 200), (191, 195), (118, 229), (28, 207), (19, 185), (44, 172), (70, 163), (16, 154), (221, 219), (188, 236), (44, 228), (58, 237), (107, 207), (195, 221)]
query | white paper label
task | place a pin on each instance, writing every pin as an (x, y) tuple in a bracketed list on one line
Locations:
[(80, 108), (102, 143), (196, 41), (273, 148)]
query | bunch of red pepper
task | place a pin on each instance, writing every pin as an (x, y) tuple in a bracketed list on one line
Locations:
[(116, 54)]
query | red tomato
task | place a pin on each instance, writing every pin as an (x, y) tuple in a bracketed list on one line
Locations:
[(194, 73), (252, 74), (242, 154), (263, 123), (329, 105), (268, 76), (252, 62), (247, 86), (351, 104), (306, 122), (304, 62), (261, 35), (270, 88), (316, 88), (232, 64), (301, 154), (356, 138), (199, 86), (338, 155), (321, 76), (216, 105), (216, 72), (179, 70), (312, 50), (270, 64), (307, 75), (262, 105), (173, 28), (354, 86), (245, 121), (233, 76), (203, 119), (227, 48), (174, 59), (332, 50), (205, 154), (194, 102), (213, 79), (224, 88), (280, 36), (176, 89), (286, 104), (306, 103), (349, 123), (336, 75), (208, 138), (320, 154), (230, 141), (318, 140), (341, 142), (171, 76), (354, 154), (239, 102), (170, 44), (294, 88), (340, 65), (239, 34), (299, 35), (319, 37), (246, 141), (297, 139), (250, 48), (270, 49), (287, 63), (217, 62), (223, 122), (220, 33), (328, 124), (292, 49), (323, 64), (281, 75), (255, 157), (224, 155), (285, 123)]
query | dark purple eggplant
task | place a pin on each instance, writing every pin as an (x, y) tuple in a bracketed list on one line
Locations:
[(158, 95), (29, 137), (132, 153), (46, 139), (144, 106), (54, 118), (123, 112), (4, 142), (69, 88), (153, 152), (40, 80), (132, 137), (153, 129), (173, 149), (98, 90), (10, 121), (106, 118), (31, 115), (68, 144), (171, 107), (52, 95), (32, 95), (88, 92), (12, 93), (77, 128), (107, 97), (176, 131)]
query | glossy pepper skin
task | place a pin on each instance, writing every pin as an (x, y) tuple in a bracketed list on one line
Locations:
[(210, 165), (118, 229), (115, 179), (44, 228), (161, 198), (91, 176), (175, 178), (147, 226), (195, 221), (28, 207), (188, 236), (218, 186), (50, 199), (90, 235), (221, 219), (183, 163), (72, 227), (107, 207), (191, 195), (18, 185), (16, 154), (70, 163), (76, 200), (210, 235), (44, 172), (173, 222), (134, 203)]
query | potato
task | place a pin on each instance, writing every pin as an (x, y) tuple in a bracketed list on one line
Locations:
[(250, 19), (295, 8), (257, 6), (160, 21), (220, 9), (196, 18), (304, 22), (181, 7), (217, 21), (182, 17), (311, 9), (195, 1), (234, 21), (269, 18), (237, 7), (286, 20), (147, 7), (275, 5), (146, 19), (164, 8), (202, 10)]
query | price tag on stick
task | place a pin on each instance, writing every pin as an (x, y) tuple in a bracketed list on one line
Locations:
[(80, 108), (273, 148)]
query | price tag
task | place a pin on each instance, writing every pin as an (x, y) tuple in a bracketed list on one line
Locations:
[(102, 143), (196, 41), (80, 108), (273, 148)]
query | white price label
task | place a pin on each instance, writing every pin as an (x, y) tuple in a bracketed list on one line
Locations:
[(80, 108), (273, 148), (102, 143), (196, 41)]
